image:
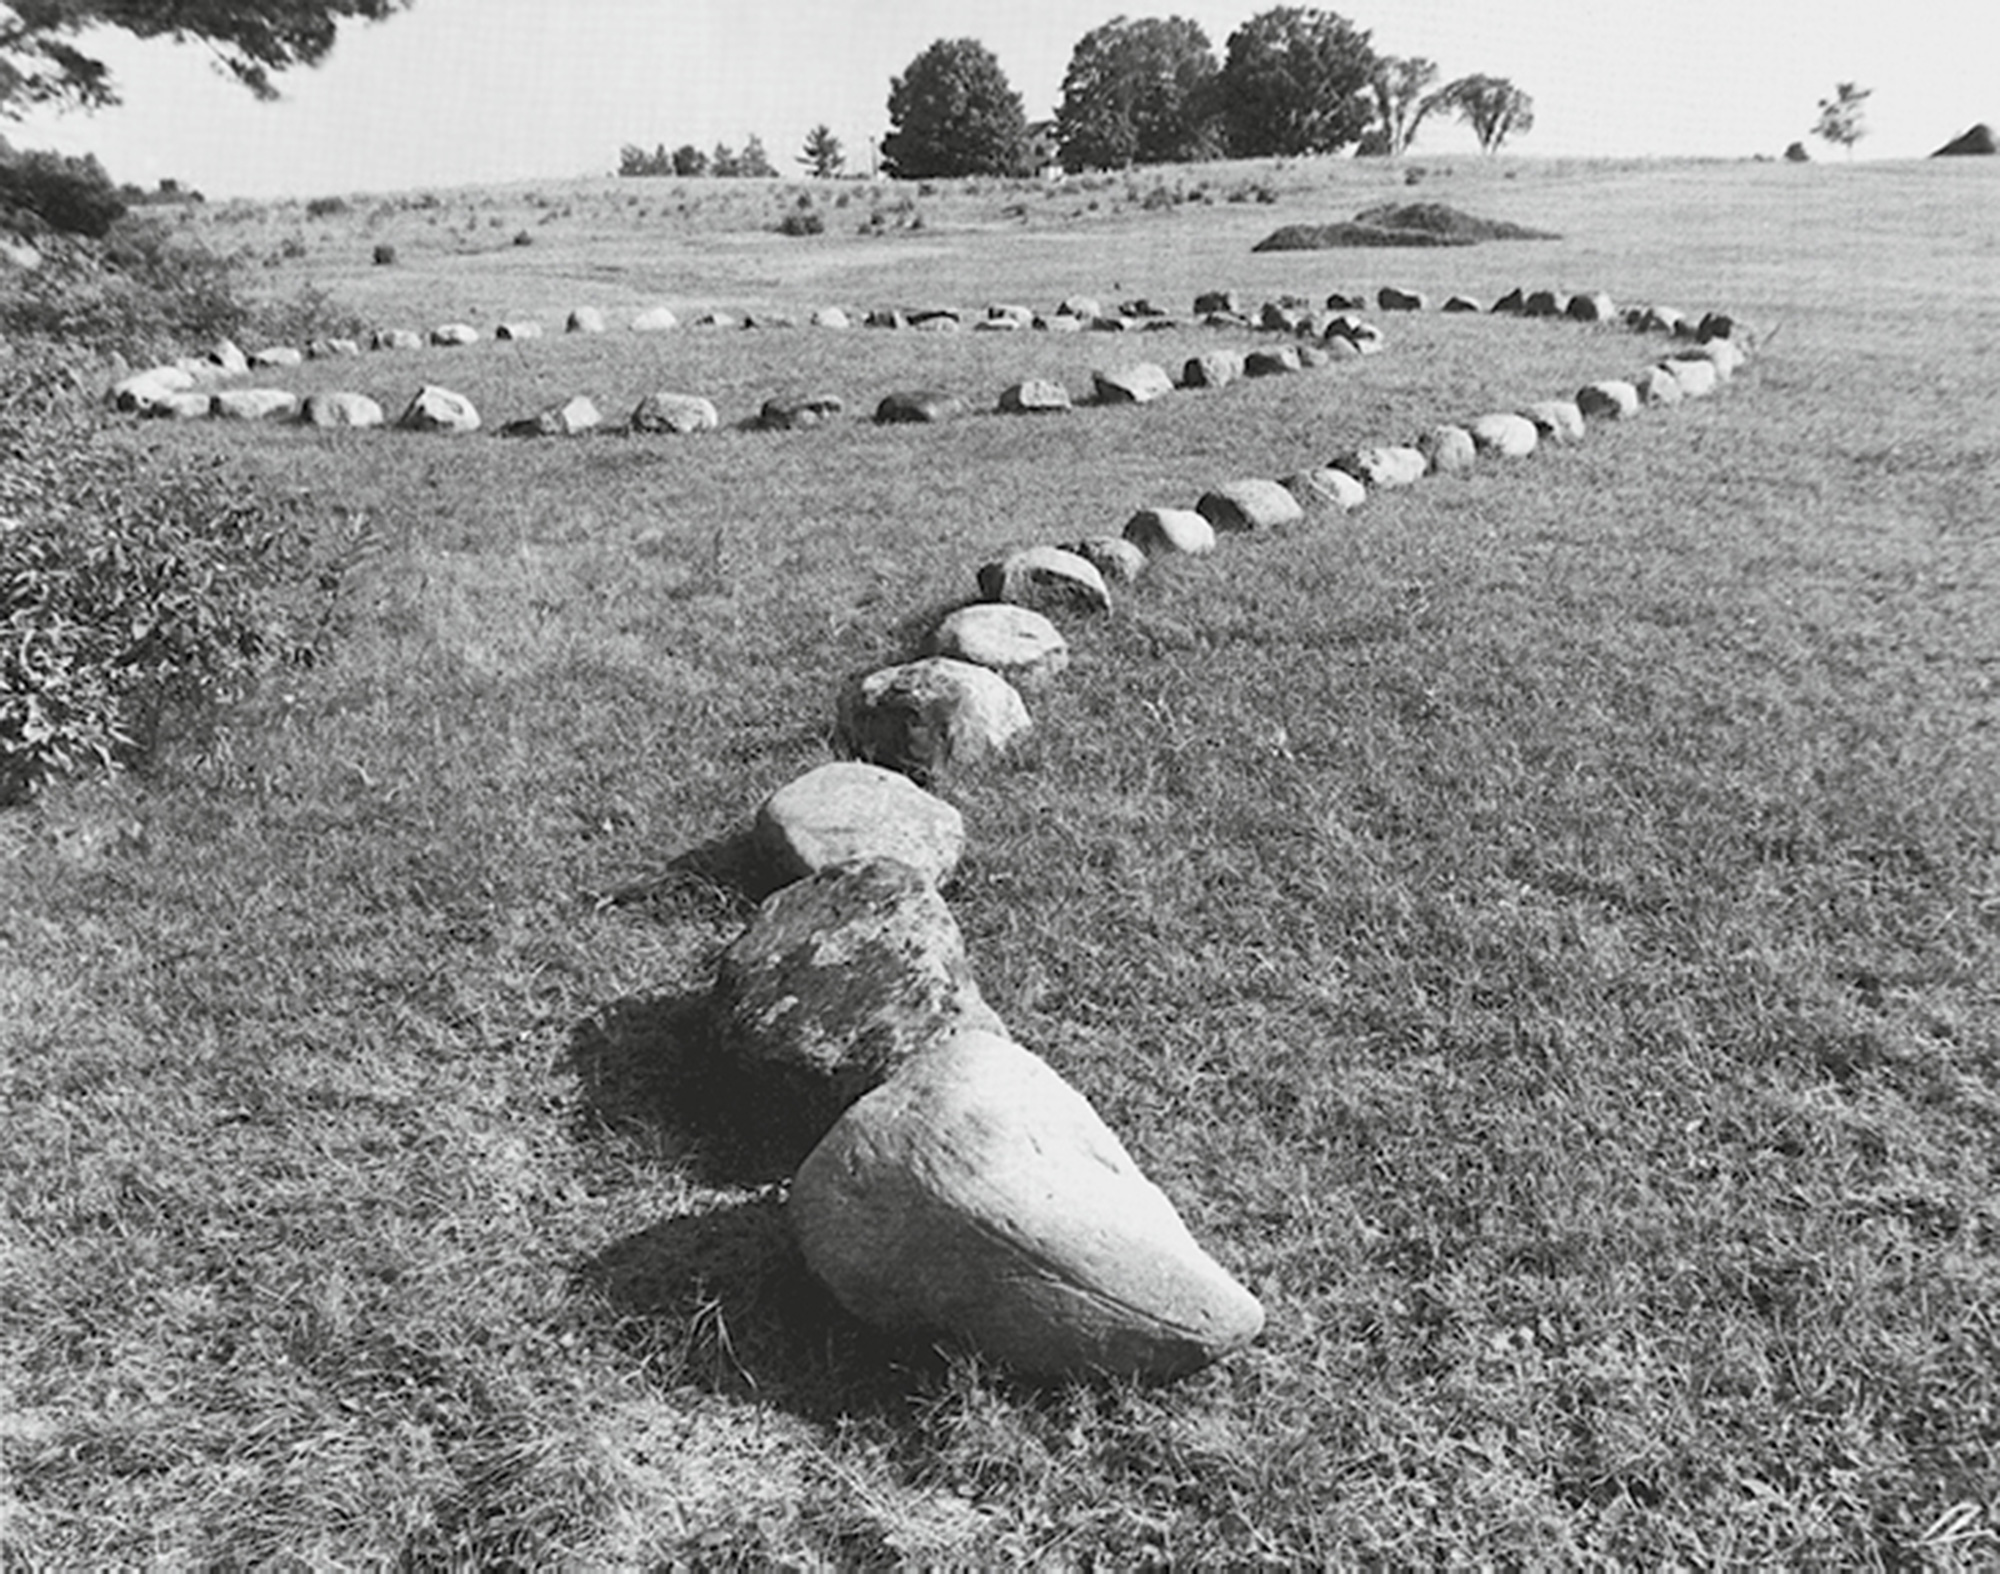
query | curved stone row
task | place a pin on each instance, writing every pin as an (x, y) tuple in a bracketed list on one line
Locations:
[(955, 1183)]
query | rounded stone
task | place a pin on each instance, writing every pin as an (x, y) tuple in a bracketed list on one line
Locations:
[(1019, 643), (1139, 383), (1168, 531), (434, 409), (1697, 378), (1505, 435), (917, 407), (1448, 449), (1035, 396), (1047, 579), (584, 319), (850, 809), (1384, 466), (1118, 560), (454, 334), (675, 413), (655, 319), (1609, 399), (927, 716), (1212, 369), (254, 404), (1657, 385), (339, 409), (1249, 504), (1556, 420), (1326, 488)]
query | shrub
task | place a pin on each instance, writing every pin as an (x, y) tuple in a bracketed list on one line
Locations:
[(144, 291), (801, 223), (523, 238), (325, 207), (70, 195), (385, 256)]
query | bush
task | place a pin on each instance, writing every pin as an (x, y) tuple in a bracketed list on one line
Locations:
[(144, 292), (385, 256), (801, 223), (326, 207), (129, 588), (71, 195)]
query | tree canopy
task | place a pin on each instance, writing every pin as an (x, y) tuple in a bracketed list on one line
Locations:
[(1401, 90), (1295, 81), (1841, 120), (1492, 106), (41, 62), (1138, 92), (953, 112), (822, 154)]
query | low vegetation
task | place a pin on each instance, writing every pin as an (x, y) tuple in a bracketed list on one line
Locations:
[(1400, 224), (1542, 929)]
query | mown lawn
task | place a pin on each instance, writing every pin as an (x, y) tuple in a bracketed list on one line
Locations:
[(1543, 930)]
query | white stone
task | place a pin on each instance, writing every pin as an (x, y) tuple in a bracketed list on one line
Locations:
[(1139, 383), (454, 333), (1166, 531), (254, 404), (1020, 644), (1385, 465), (672, 412), (927, 716), (850, 809), (1556, 420), (655, 319), (1610, 399), (435, 409), (1249, 504), (339, 409), (1505, 435)]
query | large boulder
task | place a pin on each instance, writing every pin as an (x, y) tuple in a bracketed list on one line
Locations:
[(1249, 504), (1505, 435), (840, 978), (339, 409), (1448, 449), (571, 418), (794, 412), (1047, 579), (1139, 383), (1165, 532), (674, 412), (850, 809), (1556, 420), (917, 407), (1974, 142), (1273, 361), (254, 404), (1035, 396), (1212, 369), (927, 716), (1609, 399), (1384, 466), (454, 334), (976, 1194), (1326, 488), (1391, 299), (655, 319), (1019, 643), (434, 409)]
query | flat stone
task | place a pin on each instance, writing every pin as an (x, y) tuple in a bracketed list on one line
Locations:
[(1556, 420), (571, 418), (831, 317), (1326, 488), (1657, 385), (1461, 303), (518, 330), (254, 404), (1383, 466), (1610, 399), (395, 339), (764, 319), (1391, 299), (1047, 579), (1110, 322), (584, 319), (274, 356), (976, 1194), (1035, 396), (1212, 369), (1139, 383), (1697, 378), (1448, 449), (340, 409), (850, 809), (655, 319), (1020, 644), (840, 978), (1273, 361), (793, 412), (1505, 435), (918, 406), (928, 716), (1118, 560), (1249, 504), (453, 334), (675, 413), (1161, 532), (331, 349), (434, 409)]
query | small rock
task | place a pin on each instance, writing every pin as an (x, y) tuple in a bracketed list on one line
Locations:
[(1543, 303), (1165, 531), (918, 406), (1384, 466), (934, 314), (1720, 325), (1595, 306), (885, 317), (1657, 385), (1337, 347), (766, 320), (276, 355), (584, 319), (340, 409), (1697, 378), (1249, 504), (395, 339), (1037, 395), (937, 322), (254, 404), (1212, 369), (1505, 435), (1139, 383), (676, 413), (1326, 488), (1662, 319), (518, 330), (655, 319), (1047, 579), (1448, 449), (146, 393), (831, 317), (571, 418), (1512, 304), (927, 716), (1611, 399), (1061, 323), (1008, 315), (226, 355), (1722, 354), (1021, 645), (1273, 361), (1109, 324), (793, 412), (1391, 299), (330, 349), (1118, 560), (850, 809), (1213, 301), (452, 334), (1461, 303), (1279, 318), (1556, 420), (435, 409), (716, 319), (1311, 357), (1082, 307), (1339, 302)]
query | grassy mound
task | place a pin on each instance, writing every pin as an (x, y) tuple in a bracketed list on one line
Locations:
[(1399, 224)]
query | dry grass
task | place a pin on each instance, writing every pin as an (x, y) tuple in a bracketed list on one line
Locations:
[(1541, 929)]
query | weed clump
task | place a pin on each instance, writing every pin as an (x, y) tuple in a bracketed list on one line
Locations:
[(1399, 224)]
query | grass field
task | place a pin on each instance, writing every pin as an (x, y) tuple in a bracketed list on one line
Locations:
[(1543, 929)]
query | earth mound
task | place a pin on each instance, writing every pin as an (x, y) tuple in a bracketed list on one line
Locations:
[(1978, 139), (1399, 224)]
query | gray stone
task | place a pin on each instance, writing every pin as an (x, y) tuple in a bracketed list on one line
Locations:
[(191, 406), (1610, 399), (1277, 317), (571, 418), (1083, 307), (831, 317), (1391, 299), (1212, 369), (1161, 532), (1594, 306), (1543, 303), (518, 330), (146, 393), (676, 413), (1139, 383), (1061, 322), (1461, 303), (1722, 354), (1326, 488), (764, 319), (1109, 323), (1210, 302), (1505, 435), (1037, 395), (331, 349), (435, 409), (1007, 315), (976, 1194), (936, 322), (1311, 357), (274, 356), (1273, 361), (925, 717), (1383, 466), (584, 319), (1662, 319), (1249, 504), (885, 317), (1047, 579), (716, 319), (452, 334), (918, 406), (395, 339), (1020, 644), (839, 979), (1657, 385), (1118, 560), (1556, 420), (1512, 304), (793, 412), (850, 809), (225, 354), (655, 319), (340, 409), (1697, 378), (1448, 449), (254, 404), (1339, 301)]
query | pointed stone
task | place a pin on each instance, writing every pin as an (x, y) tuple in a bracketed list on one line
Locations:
[(434, 409)]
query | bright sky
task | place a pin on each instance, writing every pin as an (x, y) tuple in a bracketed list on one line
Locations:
[(466, 91)]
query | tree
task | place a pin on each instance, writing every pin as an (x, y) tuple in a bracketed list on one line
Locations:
[(1138, 93), (690, 160), (1401, 90), (1841, 120), (724, 162), (1295, 81), (40, 63), (753, 161), (1492, 106), (823, 155), (952, 112), (73, 195)]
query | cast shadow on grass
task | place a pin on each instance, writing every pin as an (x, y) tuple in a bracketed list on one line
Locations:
[(723, 1301)]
